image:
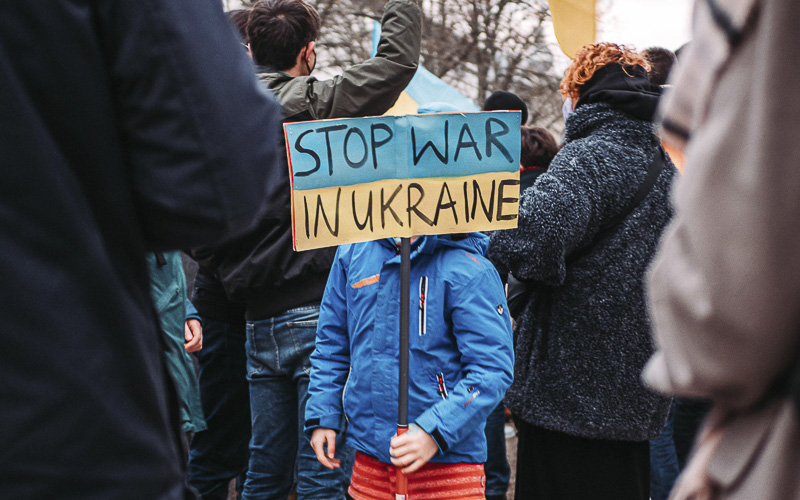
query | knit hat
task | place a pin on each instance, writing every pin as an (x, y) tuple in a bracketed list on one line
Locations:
[(501, 100)]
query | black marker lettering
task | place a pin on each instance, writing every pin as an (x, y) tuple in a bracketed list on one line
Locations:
[(491, 138), (466, 201), (368, 218), (413, 208), (377, 144), (450, 204), (307, 151), (360, 163), (321, 210), (386, 206), (462, 144), (501, 200), (442, 158), (476, 193), (327, 131), (305, 202)]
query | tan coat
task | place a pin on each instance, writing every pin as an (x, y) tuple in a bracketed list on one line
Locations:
[(725, 285)]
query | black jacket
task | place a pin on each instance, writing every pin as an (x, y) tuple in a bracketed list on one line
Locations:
[(261, 269), (124, 126)]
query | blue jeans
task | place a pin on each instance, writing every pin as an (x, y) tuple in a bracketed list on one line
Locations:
[(663, 461), (278, 365), (220, 452), (498, 472)]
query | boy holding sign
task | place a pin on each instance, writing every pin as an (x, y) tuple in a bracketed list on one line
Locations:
[(461, 363)]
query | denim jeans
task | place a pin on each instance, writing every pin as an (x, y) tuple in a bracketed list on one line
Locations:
[(663, 461), (220, 452), (498, 472), (278, 366)]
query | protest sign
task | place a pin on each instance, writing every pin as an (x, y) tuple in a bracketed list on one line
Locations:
[(361, 179)]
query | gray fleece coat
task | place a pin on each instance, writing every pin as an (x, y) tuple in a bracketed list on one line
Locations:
[(584, 335)]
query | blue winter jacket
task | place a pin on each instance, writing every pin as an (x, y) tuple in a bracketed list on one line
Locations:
[(461, 357)]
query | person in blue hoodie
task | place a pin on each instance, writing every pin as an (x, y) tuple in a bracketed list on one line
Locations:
[(460, 364)]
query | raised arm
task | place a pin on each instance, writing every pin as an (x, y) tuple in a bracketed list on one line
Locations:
[(372, 87)]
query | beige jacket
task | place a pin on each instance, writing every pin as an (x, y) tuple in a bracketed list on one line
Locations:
[(724, 288)]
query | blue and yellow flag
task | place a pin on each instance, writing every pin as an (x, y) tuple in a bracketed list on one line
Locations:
[(424, 88)]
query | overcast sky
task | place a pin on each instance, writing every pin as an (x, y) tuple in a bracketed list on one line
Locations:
[(646, 23), (641, 24)]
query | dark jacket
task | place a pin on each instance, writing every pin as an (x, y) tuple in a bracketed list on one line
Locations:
[(261, 269), (460, 360), (584, 335), (121, 125)]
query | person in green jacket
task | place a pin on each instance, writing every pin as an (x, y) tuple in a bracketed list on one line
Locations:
[(182, 333)]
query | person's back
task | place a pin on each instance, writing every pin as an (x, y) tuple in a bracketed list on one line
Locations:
[(103, 157), (261, 270), (586, 231)]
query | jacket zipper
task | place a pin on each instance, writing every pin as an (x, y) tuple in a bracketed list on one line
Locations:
[(344, 393), (423, 307)]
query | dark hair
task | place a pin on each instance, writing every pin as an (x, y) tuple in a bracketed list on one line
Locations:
[(538, 147), (661, 61), (277, 31), (239, 19)]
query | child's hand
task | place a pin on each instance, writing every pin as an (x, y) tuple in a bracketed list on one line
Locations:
[(193, 334), (412, 450), (319, 438)]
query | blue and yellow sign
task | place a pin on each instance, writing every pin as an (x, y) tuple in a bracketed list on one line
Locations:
[(361, 179)]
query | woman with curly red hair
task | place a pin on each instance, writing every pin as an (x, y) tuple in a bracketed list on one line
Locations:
[(587, 230)]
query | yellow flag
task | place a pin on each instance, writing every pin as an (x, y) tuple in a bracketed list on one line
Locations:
[(574, 22)]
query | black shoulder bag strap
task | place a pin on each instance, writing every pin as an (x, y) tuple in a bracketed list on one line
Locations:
[(519, 292), (653, 171)]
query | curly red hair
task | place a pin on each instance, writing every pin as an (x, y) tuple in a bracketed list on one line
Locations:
[(592, 57)]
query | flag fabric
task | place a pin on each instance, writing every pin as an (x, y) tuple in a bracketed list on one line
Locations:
[(424, 88), (574, 23)]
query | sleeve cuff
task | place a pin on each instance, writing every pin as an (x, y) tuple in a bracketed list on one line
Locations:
[(436, 435), (326, 422)]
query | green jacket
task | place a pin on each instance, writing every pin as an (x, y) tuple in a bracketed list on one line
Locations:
[(366, 89), (168, 289)]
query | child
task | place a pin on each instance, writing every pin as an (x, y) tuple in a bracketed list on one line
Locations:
[(460, 364)]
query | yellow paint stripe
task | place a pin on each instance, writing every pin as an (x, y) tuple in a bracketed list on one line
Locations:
[(348, 214)]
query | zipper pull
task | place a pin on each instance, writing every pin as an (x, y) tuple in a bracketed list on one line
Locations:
[(423, 317)]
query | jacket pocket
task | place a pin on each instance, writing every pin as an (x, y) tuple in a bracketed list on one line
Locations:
[(441, 385), (423, 305)]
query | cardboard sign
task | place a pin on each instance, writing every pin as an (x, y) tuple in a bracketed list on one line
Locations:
[(361, 179)]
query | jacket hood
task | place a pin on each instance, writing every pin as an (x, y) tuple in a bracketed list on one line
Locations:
[(601, 120), (471, 242), (627, 90)]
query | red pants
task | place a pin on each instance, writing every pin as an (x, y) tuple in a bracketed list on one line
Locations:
[(375, 480)]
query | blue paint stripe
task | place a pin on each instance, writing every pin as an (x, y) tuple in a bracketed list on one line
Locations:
[(352, 151)]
